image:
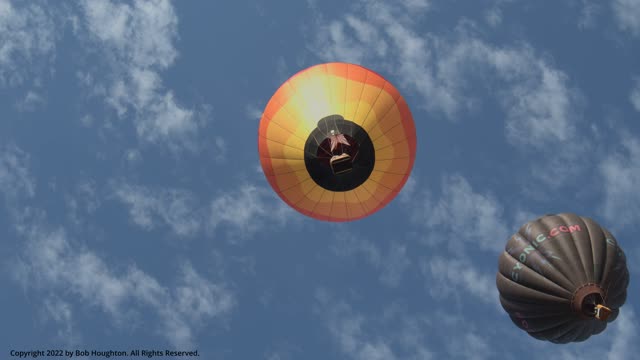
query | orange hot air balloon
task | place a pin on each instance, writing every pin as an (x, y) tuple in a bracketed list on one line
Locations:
[(337, 142)]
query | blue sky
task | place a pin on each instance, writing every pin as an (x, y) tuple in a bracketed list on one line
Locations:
[(134, 213)]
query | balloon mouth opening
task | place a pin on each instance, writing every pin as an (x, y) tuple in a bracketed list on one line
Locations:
[(588, 301), (339, 154)]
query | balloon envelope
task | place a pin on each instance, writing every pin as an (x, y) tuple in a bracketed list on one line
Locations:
[(559, 274), (337, 142)]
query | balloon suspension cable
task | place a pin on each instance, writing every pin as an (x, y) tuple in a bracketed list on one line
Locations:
[(335, 132), (326, 132), (356, 155), (335, 125), (320, 147)]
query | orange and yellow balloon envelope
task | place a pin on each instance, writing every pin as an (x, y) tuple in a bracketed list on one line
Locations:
[(337, 142)]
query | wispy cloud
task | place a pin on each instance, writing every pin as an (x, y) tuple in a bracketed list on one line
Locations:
[(462, 214), (409, 188), (54, 263), (588, 13), (625, 334), (247, 210), (446, 277), (470, 346), (16, 179), (137, 41), (351, 331), (394, 332), (61, 313), (495, 14), (627, 14), (83, 201), (620, 171), (253, 112), (634, 97), (391, 264), (31, 101), (27, 37), (238, 213), (150, 207), (466, 224)]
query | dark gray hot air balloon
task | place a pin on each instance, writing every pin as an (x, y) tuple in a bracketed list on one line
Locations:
[(562, 278)]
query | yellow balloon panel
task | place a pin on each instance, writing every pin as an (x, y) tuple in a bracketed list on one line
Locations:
[(310, 200), (283, 121), (385, 179), (284, 166), (352, 100), (276, 134), (282, 151), (339, 207), (396, 166), (291, 179), (393, 152), (323, 207), (353, 203), (313, 100), (297, 193)]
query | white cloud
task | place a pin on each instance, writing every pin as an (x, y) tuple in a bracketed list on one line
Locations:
[(253, 112), (149, 208), (627, 13), (221, 146), (588, 13), (493, 16), (634, 97), (537, 100), (240, 213), (620, 172), (27, 37), (60, 312), (137, 39), (83, 201), (391, 264), (394, 265), (470, 346), (348, 330), (395, 333), (248, 210), (461, 216), (351, 245), (409, 188), (141, 33), (30, 102), (52, 262), (133, 156), (625, 335), (445, 277), (540, 108), (15, 178)]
